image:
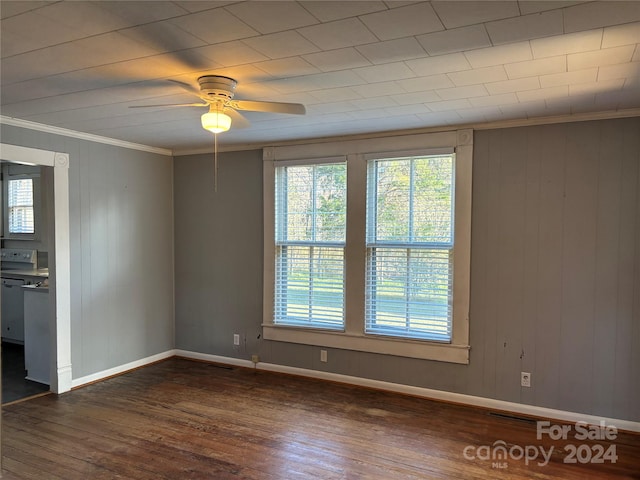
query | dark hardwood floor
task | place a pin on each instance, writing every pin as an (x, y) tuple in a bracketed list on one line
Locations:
[(181, 419), (14, 385)]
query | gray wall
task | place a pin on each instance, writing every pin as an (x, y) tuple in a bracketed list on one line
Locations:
[(555, 285), (121, 237)]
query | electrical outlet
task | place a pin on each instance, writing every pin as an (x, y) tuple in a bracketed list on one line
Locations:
[(255, 358), (525, 379), (323, 355), (236, 339)]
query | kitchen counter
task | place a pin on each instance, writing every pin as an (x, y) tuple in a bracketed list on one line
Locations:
[(36, 287), (40, 273)]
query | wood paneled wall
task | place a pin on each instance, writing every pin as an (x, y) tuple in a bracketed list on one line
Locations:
[(555, 287)]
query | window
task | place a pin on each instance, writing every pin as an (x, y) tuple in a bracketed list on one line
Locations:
[(367, 245), (410, 247), (20, 206), (310, 230)]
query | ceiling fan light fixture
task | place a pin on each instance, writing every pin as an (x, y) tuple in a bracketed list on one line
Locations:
[(216, 122)]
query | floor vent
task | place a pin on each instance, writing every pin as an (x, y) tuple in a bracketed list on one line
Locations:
[(512, 416)]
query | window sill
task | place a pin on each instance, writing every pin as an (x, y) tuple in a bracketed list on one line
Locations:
[(442, 352)]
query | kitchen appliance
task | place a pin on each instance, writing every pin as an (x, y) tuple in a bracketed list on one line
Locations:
[(14, 262)]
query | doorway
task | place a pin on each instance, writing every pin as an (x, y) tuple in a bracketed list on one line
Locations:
[(59, 262)]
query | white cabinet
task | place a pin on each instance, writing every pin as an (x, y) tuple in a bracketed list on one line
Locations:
[(12, 310), (37, 343)]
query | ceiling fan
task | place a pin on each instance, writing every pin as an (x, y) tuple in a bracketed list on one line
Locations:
[(217, 92)]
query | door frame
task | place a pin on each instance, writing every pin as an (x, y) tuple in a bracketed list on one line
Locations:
[(61, 286)]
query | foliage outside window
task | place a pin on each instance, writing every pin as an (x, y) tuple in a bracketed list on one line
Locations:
[(310, 230), (367, 244), (410, 247)]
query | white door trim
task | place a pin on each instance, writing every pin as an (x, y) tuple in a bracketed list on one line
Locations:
[(61, 287)]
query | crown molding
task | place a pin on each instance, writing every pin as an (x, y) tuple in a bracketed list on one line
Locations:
[(41, 127)]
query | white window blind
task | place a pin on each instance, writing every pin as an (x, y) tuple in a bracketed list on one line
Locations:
[(310, 231), (20, 205), (409, 273)]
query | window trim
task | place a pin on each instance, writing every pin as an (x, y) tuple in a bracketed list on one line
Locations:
[(34, 176), (357, 152)]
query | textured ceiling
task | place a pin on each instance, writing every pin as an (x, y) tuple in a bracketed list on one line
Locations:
[(358, 66)]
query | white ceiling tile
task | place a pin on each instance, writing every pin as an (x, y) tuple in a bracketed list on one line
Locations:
[(41, 63), (327, 11), (338, 34), (279, 45), (632, 83), (624, 70), (628, 34), (607, 56), (534, 6), (456, 40), (384, 73), (140, 12), (111, 48), (199, 5), (453, 62), (543, 93), (458, 14), (231, 53), (90, 18), (12, 8), (416, 97), (430, 82), (478, 75), (13, 44), (508, 86), (541, 66), (378, 89), (462, 92), (272, 16), (526, 27), (600, 14), (329, 107), (485, 57), (494, 100), (49, 33), (369, 103), (319, 81), (440, 118), (479, 114), (449, 105), (403, 22), (414, 109), (596, 87), (565, 44), (392, 50), (162, 37), (214, 26), (340, 59), (342, 94), (522, 109), (285, 67), (569, 78)]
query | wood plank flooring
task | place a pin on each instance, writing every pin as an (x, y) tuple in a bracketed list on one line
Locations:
[(181, 419)]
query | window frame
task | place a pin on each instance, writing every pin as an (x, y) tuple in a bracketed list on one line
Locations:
[(15, 172), (357, 152), (285, 243)]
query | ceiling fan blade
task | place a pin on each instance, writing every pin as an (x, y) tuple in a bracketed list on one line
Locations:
[(237, 119), (171, 105), (272, 107), (185, 86)]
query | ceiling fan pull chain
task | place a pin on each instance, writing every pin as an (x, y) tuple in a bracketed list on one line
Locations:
[(215, 162)]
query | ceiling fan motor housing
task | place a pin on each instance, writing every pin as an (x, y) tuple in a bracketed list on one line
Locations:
[(214, 86)]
